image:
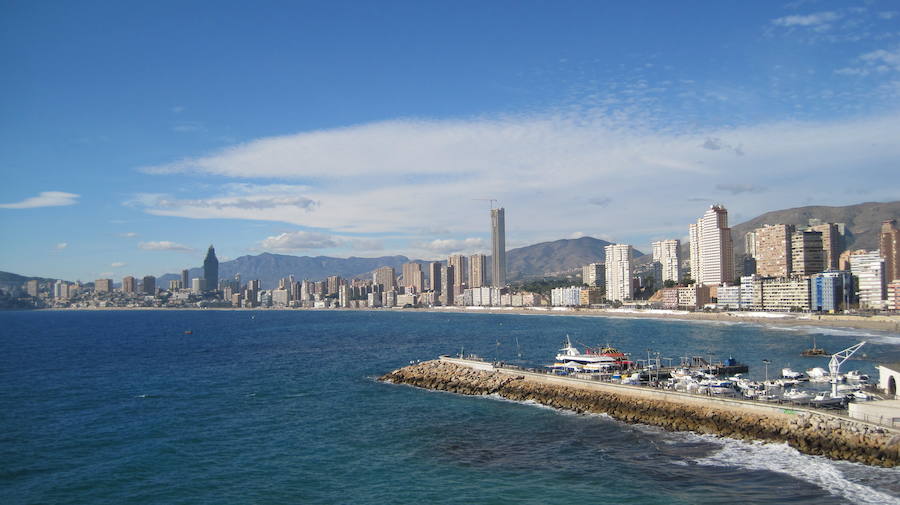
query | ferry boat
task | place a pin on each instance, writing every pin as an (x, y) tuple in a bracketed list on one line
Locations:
[(605, 357)]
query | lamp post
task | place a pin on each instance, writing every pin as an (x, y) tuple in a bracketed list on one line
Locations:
[(766, 384)]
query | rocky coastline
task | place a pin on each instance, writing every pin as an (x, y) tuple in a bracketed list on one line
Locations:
[(810, 433)]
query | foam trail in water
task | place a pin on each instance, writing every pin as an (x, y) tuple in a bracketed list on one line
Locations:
[(784, 459)]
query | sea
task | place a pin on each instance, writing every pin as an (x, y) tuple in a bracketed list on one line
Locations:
[(283, 407)]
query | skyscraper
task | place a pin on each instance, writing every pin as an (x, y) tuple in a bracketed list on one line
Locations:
[(434, 277), (387, 277), (185, 279), (618, 272), (668, 254), (594, 274), (712, 251), (476, 270), (458, 262), (832, 243), (774, 256), (889, 248), (149, 285), (807, 253), (498, 248), (412, 277), (128, 284), (447, 291), (211, 270)]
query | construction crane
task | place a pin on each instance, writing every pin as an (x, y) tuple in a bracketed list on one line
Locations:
[(492, 200), (834, 366)]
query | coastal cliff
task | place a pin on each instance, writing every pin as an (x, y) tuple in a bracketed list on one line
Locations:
[(810, 433)]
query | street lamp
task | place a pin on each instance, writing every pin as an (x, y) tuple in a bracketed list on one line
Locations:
[(766, 384)]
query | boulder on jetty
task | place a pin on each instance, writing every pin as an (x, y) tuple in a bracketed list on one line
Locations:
[(808, 432)]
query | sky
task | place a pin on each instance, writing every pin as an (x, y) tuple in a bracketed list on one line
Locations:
[(135, 134)]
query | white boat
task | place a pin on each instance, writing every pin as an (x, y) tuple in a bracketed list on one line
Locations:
[(826, 400), (787, 373), (818, 374), (855, 376), (569, 353), (795, 395)]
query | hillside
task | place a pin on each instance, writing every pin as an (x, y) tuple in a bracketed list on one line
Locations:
[(554, 258), (863, 222)]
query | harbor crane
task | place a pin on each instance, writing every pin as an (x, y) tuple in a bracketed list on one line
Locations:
[(834, 366)]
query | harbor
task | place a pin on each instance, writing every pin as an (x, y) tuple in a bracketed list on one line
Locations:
[(809, 430)]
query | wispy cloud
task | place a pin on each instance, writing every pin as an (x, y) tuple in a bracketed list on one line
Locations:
[(819, 21), (62, 245), (600, 201), (117, 264), (188, 127), (307, 240), (453, 246), (129, 234), (164, 245), (44, 199), (880, 61), (736, 189)]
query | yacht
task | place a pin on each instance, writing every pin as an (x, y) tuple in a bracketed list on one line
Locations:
[(569, 353)]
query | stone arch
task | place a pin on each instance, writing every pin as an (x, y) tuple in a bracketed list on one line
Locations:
[(892, 386)]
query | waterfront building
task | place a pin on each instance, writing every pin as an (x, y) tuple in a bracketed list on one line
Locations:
[(893, 295), (748, 290), (374, 299), (712, 250), (844, 259), (889, 247), (103, 285), (128, 284), (434, 277), (618, 272), (476, 271), (773, 250), (668, 254), (566, 296), (33, 288), (407, 299), (333, 284), (498, 248), (211, 270), (198, 285), (831, 290), (783, 294), (386, 277), (832, 243), (149, 285), (692, 297), (594, 274), (729, 297), (185, 278), (590, 296), (61, 290), (459, 264), (869, 270), (281, 297), (448, 288), (413, 278), (344, 295), (807, 253), (174, 284), (668, 297)]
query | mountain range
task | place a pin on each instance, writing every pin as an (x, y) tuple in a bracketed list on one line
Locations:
[(559, 257)]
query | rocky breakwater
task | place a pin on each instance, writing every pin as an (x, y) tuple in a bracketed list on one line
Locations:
[(808, 432)]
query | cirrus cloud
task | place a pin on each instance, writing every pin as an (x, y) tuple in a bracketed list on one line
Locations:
[(164, 245), (44, 199)]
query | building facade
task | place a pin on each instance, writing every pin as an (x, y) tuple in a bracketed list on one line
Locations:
[(668, 254), (594, 274), (618, 272), (385, 276), (889, 246), (476, 271), (460, 269), (869, 270), (211, 270), (498, 248), (773, 250), (807, 252), (712, 250)]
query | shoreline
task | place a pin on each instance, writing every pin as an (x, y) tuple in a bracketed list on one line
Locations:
[(890, 324)]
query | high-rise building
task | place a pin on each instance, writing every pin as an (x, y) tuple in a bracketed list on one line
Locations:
[(387, 277), (458, 262), (869, 270), (832, 243), (333, 284), (434, 277), (448, 288), (128, 284), (773, 250), (889, 248), (185, 279), (618, 272), (668, 254), (211, 270), (594, 274), (750, 243), (712, 251), (498, 248), (807, 253), (61, 290), (476, 271), (103, 285), (198, 285), (149, 284), (412, 277), (33, 288)]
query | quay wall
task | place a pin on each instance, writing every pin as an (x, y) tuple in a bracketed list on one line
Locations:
[(807, 431)]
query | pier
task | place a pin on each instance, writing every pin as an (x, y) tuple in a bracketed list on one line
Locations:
[(810, 431)]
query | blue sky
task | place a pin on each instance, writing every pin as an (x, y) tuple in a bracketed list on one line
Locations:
[(134, 134)]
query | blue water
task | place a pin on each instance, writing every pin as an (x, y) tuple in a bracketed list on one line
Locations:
[(282, 407)]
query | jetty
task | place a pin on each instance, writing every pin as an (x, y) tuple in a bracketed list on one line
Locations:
[(809, 431)]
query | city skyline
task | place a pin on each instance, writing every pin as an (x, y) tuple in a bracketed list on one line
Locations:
[(581, 119)]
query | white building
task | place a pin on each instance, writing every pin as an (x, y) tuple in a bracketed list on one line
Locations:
[(729, 297), (567, 297), (668, 254), (618, 272), (869, 269), (594, 274), (712, 250)]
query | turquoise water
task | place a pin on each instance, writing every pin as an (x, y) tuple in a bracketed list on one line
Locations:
[(282, 407)]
